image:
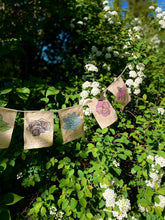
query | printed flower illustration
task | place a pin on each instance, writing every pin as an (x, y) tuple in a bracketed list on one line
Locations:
[(38, 126), (122, 91), (3, 125), (103, 108), (72, 121)]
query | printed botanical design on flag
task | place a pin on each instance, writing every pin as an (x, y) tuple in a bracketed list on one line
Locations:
[(72, 121), (38, 129), (103, 108), (38, 126), (103, 111), (7, 121), (120, 91), (3, 125)]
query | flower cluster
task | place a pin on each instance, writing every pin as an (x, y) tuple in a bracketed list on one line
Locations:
[(120, 205), (90, 89), (161, 111), (136, 78), (58, 214), (160, 16)]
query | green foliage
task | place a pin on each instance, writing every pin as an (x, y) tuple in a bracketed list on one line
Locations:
[(44, 49)]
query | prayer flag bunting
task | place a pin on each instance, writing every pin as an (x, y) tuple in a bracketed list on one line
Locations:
[(72, 123), (103, 111), (119, 89), (38, 129), (7, 120)]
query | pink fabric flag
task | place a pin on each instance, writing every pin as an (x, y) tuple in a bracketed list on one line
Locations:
[(72, 123), (103, 111), (38, 129), (7, 120), (119, 89)]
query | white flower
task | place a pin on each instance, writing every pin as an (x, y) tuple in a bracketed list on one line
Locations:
[(97, 217), (109, 195), (137, 91), (162, 23), (129, 82), (94, 49), (153, 176), (80, 22), (106, 8), (53, 210), (105, 2), (141, 208), (115, 163), (150, 157), (158, 9), (137, 28), (95, 91), (107, 55), (91, 67), (85, 18), (116, 53), (140, 66), (130, 66), (87, 112), (98, 53), (114, 13), (140, 74), (160, 111), (95, 84), (151, 7), (159, 15), (109, 49), (137, 82), (162, 202), (86, 85), (125, 47), (103, 186), (129, 90), (84, 94), (132, 74), (160, 160)]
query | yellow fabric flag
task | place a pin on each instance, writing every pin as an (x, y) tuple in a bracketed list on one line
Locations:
[(7, 120), (103, 111), (72, 123), (119, 89), (38, 129)]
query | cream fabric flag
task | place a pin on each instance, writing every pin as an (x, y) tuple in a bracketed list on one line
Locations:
[(72, 123), (38, 129), (119, 89), (7, 120), (103, 111)]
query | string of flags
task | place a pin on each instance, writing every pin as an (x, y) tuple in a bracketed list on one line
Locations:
[(38, 125)]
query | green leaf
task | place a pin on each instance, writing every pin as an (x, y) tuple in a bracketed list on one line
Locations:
[(52, 91), (122, 156), (11, 198), (88, 193), (5, 91), (161, 153), (105, 130), (23, 93), (161, 191), (80, 173), (101, 203), (43, 211), (46, 100), (80, 194), (4, 213), (73, 204), (83, 202), (12, 163), (65, 204)]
